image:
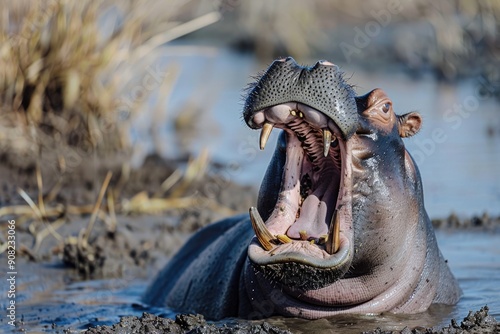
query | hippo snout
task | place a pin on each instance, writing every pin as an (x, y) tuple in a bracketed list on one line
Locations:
[(321, 86)]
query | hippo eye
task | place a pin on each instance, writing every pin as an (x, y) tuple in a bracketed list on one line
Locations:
[(386, 107)]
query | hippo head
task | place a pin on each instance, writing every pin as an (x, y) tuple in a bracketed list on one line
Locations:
[(334, 199)]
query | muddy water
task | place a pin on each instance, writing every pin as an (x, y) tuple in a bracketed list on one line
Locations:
[(457, 150), (47, 298)]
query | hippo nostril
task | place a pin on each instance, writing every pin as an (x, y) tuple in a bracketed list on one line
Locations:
[(321, 87)]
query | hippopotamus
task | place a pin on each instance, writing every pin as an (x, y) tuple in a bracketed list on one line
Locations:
[(340, 224)]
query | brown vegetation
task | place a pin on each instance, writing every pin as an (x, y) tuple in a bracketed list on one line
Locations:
[(64, 65)]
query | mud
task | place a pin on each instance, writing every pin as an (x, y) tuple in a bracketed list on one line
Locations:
[(78, 184), (183, 323), (131, 239), (475, 322)]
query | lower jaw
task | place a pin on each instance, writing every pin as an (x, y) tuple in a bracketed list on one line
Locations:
[(296, 272), (296, 269)]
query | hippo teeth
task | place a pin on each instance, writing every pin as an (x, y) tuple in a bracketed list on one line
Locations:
[(261, 231), (264, 135), (311, 182), (328, 139), (332, 242)]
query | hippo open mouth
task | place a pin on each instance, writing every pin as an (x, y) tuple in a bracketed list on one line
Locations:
[(306, 240)]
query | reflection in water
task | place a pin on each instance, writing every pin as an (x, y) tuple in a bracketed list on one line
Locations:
[(457, 150), (348, 324)]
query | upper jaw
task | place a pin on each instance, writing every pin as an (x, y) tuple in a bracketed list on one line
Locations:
[(321, 87)]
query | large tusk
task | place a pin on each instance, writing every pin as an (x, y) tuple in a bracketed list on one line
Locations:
[(260, 229), (327, 140), (333, 242), (264, 135)]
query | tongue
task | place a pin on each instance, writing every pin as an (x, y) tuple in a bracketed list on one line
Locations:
[(311, 220), (316, 211)]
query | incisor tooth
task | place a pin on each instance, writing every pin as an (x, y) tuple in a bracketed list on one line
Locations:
[(333, 243), (327, 140), (264, 135), (261, 231)]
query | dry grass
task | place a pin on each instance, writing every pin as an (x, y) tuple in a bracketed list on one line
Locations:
[(64, 65)]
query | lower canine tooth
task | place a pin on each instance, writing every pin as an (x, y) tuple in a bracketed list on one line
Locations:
[(303, 234), (327, 140), (333, 243), (261, 231), (284, 238), (264, 135)]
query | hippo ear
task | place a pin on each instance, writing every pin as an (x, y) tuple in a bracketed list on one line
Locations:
[(409, 124)]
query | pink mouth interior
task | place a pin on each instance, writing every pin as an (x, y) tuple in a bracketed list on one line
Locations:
[(311, 182)]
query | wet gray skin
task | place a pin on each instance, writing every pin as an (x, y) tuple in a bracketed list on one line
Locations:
[(339, 228)]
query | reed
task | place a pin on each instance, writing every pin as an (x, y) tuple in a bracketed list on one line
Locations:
[(64, 65)]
